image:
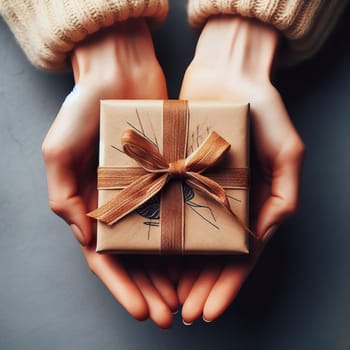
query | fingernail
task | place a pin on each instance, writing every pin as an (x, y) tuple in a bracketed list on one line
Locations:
[(269, 233), (187, 323), (78, 234), (205, 320)]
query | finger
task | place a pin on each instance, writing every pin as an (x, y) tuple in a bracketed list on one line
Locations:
[(159, 311), (194, 303), (224, 291), (283, 200), (112, 274), (281, 152), (230, 282), (162, 282), (165, 289), (191, 270), (186, 282)]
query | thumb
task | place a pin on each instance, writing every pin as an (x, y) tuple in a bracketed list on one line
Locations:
[(64, 198), (64, 149), (283, 200)]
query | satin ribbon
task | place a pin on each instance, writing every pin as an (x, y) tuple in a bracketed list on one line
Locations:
[(162, 175)]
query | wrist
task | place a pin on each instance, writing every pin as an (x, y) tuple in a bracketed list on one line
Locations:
[(238, 45), (104, 56), (120, 62)]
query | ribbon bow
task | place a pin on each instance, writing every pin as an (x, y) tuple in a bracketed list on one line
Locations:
[(159, 172)]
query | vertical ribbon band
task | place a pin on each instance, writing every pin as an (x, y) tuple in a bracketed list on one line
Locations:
[(175, 133)]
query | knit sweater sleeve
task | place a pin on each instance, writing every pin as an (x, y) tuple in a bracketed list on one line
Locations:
[(48, 30), (305, 24)]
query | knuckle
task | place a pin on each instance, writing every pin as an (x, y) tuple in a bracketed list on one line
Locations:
[(291, 208), (298, 147), (295, 150), (45, 149), (301, 149), (91, 265), (52, 151), (58, 207)]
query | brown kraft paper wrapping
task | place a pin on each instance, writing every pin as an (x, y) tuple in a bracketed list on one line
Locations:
[(208, 227)]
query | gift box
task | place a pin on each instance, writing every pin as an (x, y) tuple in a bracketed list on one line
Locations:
[(173, 177)]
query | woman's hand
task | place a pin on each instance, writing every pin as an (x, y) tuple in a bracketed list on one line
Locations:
[(233, 62), (118, 63)]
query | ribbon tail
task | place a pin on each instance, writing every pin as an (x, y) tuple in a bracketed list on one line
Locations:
[(130, 198), (213, 190)]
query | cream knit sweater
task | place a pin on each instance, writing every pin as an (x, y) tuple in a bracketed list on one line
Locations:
[(48, 30)]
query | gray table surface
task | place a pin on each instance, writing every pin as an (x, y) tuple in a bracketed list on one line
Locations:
[(298, 295)]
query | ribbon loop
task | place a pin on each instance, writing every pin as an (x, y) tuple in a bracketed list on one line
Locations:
[(143, 151), (208, 153)]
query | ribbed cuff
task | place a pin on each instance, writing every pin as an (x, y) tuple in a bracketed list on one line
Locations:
[(304, 24), (49, 30)]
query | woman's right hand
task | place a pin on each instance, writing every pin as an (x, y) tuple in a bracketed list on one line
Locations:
[(117, 63)]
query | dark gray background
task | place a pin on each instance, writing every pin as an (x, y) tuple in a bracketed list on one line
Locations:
[(297, 297)]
